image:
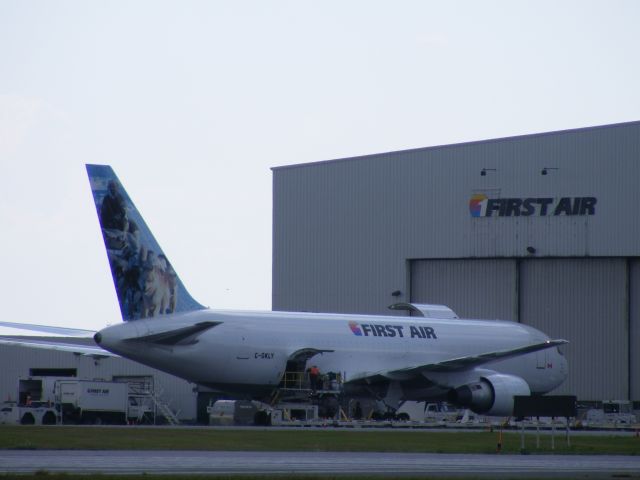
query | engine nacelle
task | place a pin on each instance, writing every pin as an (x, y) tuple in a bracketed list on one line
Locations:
[(492, 395)]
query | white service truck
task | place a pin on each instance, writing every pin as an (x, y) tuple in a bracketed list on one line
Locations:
[(83, 401)]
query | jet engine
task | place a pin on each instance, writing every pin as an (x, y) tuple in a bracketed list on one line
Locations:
[(491, 395)]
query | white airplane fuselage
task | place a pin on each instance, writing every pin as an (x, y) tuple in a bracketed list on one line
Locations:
[(247, 352)]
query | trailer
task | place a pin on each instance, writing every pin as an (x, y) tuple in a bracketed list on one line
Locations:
[(92, 402), (232, 412), (293, 413)]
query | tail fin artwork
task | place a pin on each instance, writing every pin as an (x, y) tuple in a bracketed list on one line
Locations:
[(146, 284)]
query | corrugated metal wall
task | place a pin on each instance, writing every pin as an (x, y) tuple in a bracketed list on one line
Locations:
[(334, 260), (472, 288), (16, 361)]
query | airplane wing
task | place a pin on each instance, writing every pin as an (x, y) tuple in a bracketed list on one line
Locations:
[(74, 332), (88, 350), (454, 364)]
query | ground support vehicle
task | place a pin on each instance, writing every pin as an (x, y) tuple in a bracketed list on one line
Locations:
[(38, 413)]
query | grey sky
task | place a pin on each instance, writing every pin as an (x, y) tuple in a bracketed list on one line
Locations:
[(192, 102)]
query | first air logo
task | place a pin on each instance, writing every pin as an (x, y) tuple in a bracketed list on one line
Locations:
[(482, 206), (355, 328), (384, 330)]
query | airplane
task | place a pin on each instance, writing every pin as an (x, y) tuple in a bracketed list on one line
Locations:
[(431, 355)]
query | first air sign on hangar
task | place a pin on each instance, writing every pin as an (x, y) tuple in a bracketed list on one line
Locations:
[(480, 205)]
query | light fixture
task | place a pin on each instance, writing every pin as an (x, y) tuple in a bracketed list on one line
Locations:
[(484, 171), (396, 293), (545, 170), (531, 250)]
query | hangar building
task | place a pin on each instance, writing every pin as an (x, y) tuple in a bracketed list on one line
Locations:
[(542, 229)]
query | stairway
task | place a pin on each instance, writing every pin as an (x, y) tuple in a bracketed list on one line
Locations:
[(164, 407)]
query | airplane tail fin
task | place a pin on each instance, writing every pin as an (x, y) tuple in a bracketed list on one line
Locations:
[(146, 284)]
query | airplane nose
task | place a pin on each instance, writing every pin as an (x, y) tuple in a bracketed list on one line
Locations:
[(97, 338)]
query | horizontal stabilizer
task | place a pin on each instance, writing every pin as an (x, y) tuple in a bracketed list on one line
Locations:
[(86, 350), (72, 332), (181, 336)]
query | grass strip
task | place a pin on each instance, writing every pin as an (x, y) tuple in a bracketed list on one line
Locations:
[(420, 441)]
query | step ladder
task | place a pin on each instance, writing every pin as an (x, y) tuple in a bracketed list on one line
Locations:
[(164, 407)]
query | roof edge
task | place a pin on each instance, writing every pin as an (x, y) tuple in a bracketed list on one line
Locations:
[(461, 144)]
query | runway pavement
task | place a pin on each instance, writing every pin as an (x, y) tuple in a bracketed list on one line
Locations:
[(195, 462)]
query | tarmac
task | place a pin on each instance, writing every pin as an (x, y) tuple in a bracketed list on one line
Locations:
[(322, 463)]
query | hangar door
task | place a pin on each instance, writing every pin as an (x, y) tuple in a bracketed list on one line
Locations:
[(584, 301), (473, 288)]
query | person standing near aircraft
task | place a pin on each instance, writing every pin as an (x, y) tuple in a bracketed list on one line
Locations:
[(314, 376)]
